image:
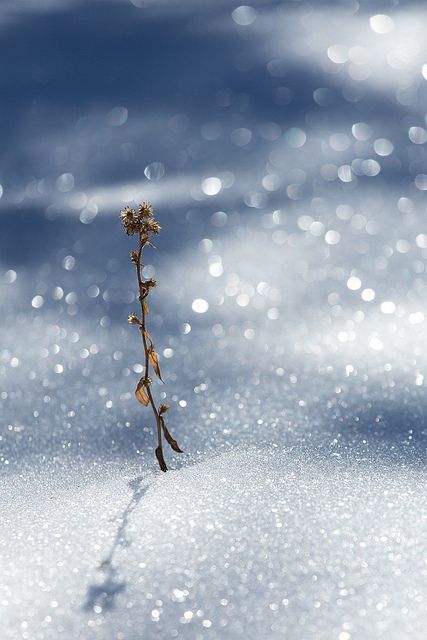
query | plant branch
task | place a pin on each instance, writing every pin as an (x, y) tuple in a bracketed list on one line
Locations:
[(143, 224)]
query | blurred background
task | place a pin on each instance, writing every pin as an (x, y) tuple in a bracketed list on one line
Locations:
[(282, 145)]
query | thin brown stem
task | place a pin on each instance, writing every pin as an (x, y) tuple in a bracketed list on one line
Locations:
[(142, 297)]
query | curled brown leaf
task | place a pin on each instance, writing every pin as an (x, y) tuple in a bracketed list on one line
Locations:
[(171, 441), (154, 359), (141, 392)]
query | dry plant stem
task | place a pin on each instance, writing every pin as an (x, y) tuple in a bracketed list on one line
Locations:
[(143, 224), (139, 266)]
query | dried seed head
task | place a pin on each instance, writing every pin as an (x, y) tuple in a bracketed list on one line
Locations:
[(151, 283), (152, 226), (141, 222), (163, 408), (145, 211), (133, 319), (134, 256), (127, 214), (129, 220)]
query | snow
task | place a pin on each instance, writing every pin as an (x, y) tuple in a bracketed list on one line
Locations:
[(287, 171), (257, 542)]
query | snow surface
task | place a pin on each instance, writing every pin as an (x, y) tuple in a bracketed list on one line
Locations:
[(298, 509)]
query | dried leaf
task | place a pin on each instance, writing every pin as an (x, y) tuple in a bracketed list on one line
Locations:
[(141, 393), (160, 459), (171, 441), (154, 359)]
